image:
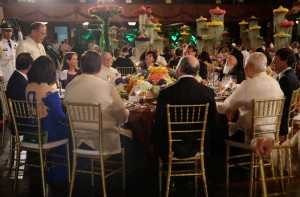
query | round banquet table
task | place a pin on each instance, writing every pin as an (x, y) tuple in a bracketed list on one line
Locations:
[(140, 120)]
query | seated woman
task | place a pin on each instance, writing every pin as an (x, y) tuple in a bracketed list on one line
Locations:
[(41, 77), (150, 59), (69, 68)]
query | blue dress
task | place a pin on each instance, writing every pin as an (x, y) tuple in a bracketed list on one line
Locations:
[(56, 131)]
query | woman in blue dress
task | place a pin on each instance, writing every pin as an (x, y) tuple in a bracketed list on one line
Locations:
[(41, 88)]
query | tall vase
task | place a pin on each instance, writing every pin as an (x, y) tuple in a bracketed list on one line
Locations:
[(142, 20)]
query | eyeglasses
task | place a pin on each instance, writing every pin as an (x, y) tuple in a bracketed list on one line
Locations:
[(43, 34)]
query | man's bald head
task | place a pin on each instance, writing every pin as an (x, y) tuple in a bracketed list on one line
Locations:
[(188, 65)]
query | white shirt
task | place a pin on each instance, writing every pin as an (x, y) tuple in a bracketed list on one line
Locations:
[(87, 88), (161, 60), (261, 86), (30, 46), (8, 58), (282, 72), (112, 72)]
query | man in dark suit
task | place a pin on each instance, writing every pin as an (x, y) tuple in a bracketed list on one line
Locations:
[(178, 53), (283, 64), (121, 61), (18, 81), (187, 90)]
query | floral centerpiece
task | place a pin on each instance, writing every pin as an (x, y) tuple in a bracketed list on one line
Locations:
[(217, 14), (278, 17), (255, 27), (201, 18), (285, 23), (214, 23), (243, 22), (142, 12), (103, 11)]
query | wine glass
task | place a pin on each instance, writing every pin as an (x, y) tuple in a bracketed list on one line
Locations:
[(219, 88), (232, 83), (137, 90)]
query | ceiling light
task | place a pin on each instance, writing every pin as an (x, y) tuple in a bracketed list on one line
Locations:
[(131, 23)]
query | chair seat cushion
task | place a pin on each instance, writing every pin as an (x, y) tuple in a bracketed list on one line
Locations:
[(46, 146)]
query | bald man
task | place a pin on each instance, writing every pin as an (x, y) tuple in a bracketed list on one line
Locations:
[(185, 91)]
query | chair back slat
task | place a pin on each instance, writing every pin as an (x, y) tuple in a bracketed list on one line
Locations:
[(184, 120), (26, 121), (125, 70), (266, 117)]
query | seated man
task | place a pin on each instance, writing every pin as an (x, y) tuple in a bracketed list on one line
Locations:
[(89, 88), (186, 91), (258, 85), (283, 64), (108, 73)]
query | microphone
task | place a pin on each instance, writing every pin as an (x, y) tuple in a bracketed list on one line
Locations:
[(53, 51)]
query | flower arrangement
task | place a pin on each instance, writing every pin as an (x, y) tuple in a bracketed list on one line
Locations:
[(185, 28), (201, 18), (280, 9), (214, 23), (286, 23), (149, 24), (184, 33), (217, 10), (158, 69), (206, 37), (142, 10), (105, 8), (158, 24), (157, 29), (253, 18), (281, 35), (225, 33), (255, 27), (142, 38), (243, 23), (122, 29)]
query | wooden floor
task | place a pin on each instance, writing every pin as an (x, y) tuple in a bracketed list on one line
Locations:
[(144, 184)]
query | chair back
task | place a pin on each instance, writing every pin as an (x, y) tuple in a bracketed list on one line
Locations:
[(4, 103), (186, 123), (26, 121), (266, 117), (292, 111), (125, 70), (86, 123)]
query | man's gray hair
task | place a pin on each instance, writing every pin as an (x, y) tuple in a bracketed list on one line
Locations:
[(258, 60)]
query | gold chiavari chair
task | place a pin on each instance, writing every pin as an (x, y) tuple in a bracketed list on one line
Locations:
[(125, 70), (185, 120), (27, 124), (5, 109), (280, 166), (84, 119), (280, 169), (266, 119)]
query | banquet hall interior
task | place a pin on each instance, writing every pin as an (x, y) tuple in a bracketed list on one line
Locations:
[(70, 20)]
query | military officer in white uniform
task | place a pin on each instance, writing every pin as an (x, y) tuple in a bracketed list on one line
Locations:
[(7, 52)]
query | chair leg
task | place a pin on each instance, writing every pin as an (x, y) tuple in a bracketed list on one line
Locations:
[(43, 173), (103, 176), (73, 174), (263, 178), (68, 162), (203, 176), (168, 177), (11, 152), (17, 167), (3, 132), (160, 174), (227, 166), (123, 170), (251, 175)]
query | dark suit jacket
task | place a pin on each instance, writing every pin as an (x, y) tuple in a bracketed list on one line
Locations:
[(288, 82), (123, 62), (174, 62), (186, 91), (16, 87), (15, 90)]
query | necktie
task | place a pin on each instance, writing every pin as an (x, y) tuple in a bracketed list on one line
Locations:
[(9, 44)]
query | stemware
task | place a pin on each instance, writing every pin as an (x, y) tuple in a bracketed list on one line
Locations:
[(219, 88), (232, 83), (137, 90)]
